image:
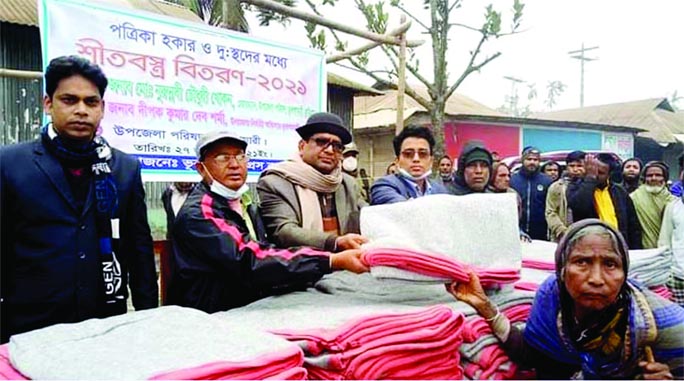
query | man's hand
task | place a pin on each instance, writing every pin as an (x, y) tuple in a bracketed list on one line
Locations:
[(655, 371), (350, 241), (591, 166), (349, 260)]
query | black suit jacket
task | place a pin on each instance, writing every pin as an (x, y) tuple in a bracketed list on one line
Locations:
[(51, 271)]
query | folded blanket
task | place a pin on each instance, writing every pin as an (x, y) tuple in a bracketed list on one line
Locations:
[(163, 343), (397, 263), (447, 225)]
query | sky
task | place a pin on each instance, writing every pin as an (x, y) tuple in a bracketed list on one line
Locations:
[(639, 51)]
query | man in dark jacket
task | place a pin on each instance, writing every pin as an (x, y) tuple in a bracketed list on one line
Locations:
[(597, 197), (219, 250), (74, 224), (474, 169), (631, 174), (532, 186)]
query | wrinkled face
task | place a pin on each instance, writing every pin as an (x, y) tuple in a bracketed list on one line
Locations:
[(445, 166), (531, 162), (76, 108), (322, 151), (654, 176), (551, 170), (415, 156), (576, 169), (593, 275), (226, 162), (502, 178), (476, 175), (603, 173), (631, 170)]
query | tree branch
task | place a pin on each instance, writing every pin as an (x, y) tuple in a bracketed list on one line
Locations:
[(466, 27), (401, 29), (398, 6), (411, 68), (317, 19), (451, 8)]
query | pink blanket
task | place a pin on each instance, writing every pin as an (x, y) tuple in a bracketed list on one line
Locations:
[(436, 265), (7, 371), (417, 345)]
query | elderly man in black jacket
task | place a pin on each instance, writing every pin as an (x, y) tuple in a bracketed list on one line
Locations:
[(597, 197), (221, 258)]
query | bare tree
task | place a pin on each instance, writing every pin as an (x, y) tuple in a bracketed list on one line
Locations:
[(438, 27)]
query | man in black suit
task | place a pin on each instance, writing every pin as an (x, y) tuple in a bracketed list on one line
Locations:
[(74, 221)]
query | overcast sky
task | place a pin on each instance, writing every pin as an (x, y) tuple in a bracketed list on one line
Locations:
[(640, 52)]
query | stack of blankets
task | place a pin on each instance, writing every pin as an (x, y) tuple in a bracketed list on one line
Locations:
[(360, 327), (650, 267), (171, 343)]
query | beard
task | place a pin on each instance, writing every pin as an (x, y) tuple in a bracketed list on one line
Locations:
[(654, 189), (630, 177)]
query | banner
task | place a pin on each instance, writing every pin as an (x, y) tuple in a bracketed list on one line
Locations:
[(620, 143), (170, 81)]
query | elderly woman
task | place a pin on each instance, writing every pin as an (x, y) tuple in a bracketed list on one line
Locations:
[(588, 319)]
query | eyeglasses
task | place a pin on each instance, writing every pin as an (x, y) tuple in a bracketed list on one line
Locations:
[(409, 154), (224, 159), (324, 143)]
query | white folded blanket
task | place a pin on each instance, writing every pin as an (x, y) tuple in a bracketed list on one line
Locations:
[(477, 229)]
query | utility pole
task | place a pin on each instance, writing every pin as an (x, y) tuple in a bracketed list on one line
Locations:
[(513, 98), (582, 58)]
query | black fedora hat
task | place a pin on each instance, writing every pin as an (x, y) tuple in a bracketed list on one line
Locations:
[(325, 122)]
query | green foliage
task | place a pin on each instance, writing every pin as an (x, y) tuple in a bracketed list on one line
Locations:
[(492, 25), (266, 17), (517, 14), (376, 17)]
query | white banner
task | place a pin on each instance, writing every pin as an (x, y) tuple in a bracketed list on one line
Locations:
[(620, 143), (170, 81)]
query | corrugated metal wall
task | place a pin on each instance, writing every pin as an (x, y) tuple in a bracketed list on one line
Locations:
[(341, 102), (20, 99)]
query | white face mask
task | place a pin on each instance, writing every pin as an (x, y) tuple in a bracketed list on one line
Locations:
[(407, 175), (223, 190), (350, 164)]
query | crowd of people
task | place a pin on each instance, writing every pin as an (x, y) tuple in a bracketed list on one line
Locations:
[(75, 236)]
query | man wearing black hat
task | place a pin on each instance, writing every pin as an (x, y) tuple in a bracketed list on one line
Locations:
[(532, 186), (558, 215), (597, 197), (650, 200), (221, 258), (308, 200), (474, 169)]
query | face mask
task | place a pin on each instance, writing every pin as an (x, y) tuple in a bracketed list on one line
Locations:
[(224, 191), (654, 189), (350, 164), (445, 176), (407, 175)]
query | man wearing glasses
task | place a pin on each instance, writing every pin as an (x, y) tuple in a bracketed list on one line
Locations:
[(414, 150), (308, 200), (221, 258)]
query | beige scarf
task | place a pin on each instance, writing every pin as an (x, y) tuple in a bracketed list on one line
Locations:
[(308, 181)]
